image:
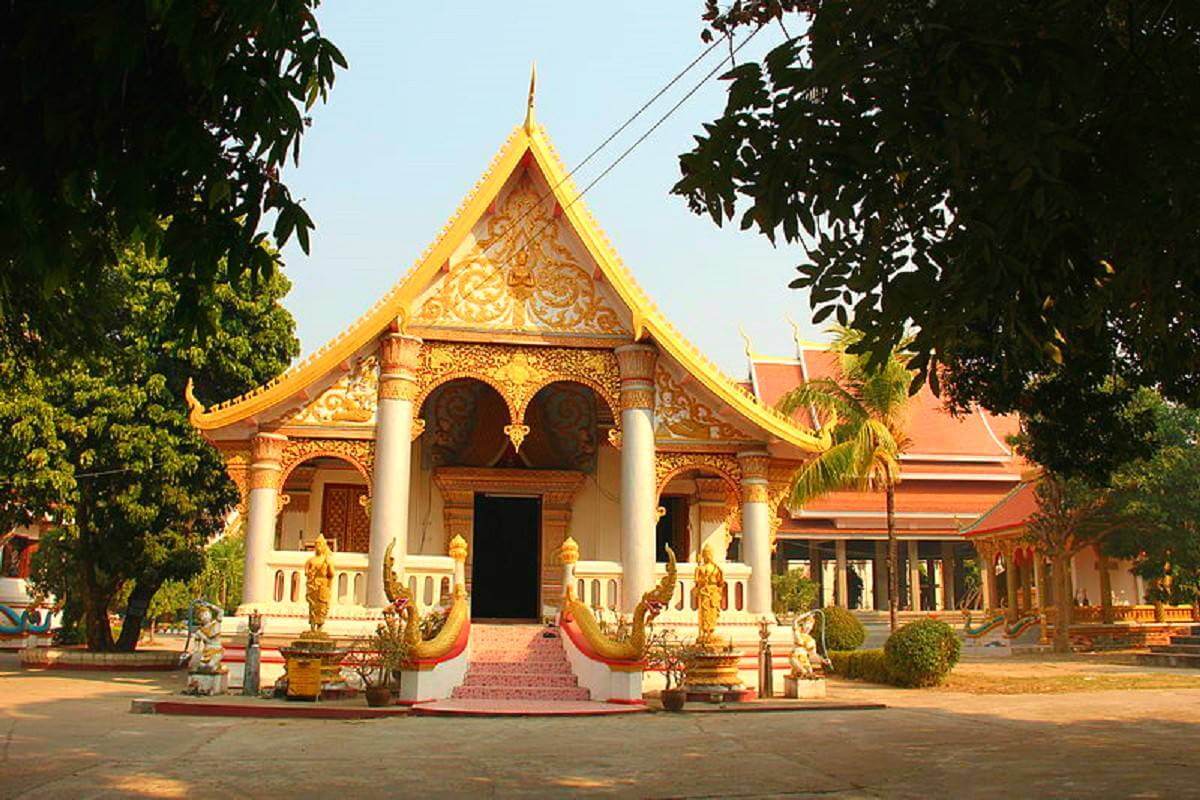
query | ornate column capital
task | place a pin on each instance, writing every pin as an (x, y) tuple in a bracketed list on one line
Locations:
[(636, 364), (399, 358), (755, 467), (266, 456)]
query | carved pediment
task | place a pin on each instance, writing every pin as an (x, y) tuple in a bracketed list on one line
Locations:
[(521, 275), (350, 400), (681, 414)]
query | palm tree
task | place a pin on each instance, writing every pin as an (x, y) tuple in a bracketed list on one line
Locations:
[(868, 404)]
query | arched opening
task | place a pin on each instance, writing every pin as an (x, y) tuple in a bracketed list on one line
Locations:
[(464, 425), (325, 494)]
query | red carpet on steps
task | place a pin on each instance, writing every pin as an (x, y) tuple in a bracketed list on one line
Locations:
[(519, 670)]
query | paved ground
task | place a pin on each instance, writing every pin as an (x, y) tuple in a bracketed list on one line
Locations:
[(70, 735)]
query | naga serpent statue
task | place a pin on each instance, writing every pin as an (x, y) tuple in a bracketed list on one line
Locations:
[(404, 602), (650, 606)]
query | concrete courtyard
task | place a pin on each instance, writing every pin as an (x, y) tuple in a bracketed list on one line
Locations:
[(70, 735)]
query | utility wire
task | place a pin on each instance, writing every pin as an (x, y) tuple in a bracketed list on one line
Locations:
[(536, 237)]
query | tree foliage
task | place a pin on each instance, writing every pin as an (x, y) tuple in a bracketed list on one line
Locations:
[(146, 493), (1010, 183), (123, 114), (1158, 502)]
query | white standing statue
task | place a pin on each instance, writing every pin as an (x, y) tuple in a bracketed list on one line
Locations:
[(805, 658), (206, 674)]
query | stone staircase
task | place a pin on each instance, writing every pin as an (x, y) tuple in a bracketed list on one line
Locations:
[(1183, 651), (518, 662)]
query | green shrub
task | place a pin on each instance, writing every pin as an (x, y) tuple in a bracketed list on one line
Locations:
[(792, 593), (842, 630), (921, 653), (861, 665)]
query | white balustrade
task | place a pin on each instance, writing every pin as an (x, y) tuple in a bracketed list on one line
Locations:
[(598, 584), (429, 577), (682, 607)]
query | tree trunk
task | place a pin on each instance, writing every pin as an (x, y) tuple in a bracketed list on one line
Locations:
[(892, 556), (1063, 598), (97, 631), (135, 613)]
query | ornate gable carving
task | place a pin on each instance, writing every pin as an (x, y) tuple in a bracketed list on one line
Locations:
[(351, 399), (520, 276), (679, 415)]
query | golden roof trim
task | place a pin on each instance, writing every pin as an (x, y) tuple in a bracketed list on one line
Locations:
[(392, 308)]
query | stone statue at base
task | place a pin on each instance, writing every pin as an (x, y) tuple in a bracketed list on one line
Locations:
[(318, 576), (805, 658), (206, 674), (805, 681)]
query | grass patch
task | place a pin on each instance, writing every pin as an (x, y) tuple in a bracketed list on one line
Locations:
[(974, 683)]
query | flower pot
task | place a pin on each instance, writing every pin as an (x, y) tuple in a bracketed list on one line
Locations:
[(673, 699), (379, 696)]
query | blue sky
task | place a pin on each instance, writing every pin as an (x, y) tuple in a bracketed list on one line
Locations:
[(433, 90)]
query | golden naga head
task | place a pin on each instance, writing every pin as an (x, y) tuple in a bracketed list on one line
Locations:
[(657, 598)]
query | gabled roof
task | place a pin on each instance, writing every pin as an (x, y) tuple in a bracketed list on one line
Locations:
[(1011, 514), (393, 310), (932, 429)]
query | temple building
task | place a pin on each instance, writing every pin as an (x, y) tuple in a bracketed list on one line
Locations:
[(515, 388), (954, 470)]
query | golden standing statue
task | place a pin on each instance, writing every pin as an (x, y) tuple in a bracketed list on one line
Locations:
[(707, 593), (318, 575)]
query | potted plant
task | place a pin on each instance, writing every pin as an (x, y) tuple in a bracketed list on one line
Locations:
[(377, 660), (669, 655)]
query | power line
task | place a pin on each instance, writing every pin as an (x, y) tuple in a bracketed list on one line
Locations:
[(579, 196), (513, 228)]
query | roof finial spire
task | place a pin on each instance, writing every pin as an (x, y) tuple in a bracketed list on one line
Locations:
[(532, 91), (796, 337), (746, 342)]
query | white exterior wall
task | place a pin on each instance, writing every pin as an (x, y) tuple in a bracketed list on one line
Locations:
[(1087, 578), (596, 518), (426, 531)]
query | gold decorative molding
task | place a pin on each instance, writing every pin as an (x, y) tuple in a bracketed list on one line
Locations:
[(351, 398), (614, 437), (418, 427), (397, 389), (679, 414), (399, 352), (516, 434), (524, 149), (668, 465), (359, 453), (518, 372), (520, 275)]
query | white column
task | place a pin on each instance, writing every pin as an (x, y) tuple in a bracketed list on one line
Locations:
[(398, 356), (914, 575), (756, 529), (638, 484), (262, 508), (843, 580)]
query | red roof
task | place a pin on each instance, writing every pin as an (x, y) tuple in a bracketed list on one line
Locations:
[(932, 429), (1010, 514)]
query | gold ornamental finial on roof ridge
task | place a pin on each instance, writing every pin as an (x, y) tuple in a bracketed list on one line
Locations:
[(532, 92)]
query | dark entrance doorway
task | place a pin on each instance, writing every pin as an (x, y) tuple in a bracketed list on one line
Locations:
[(504, 571)]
